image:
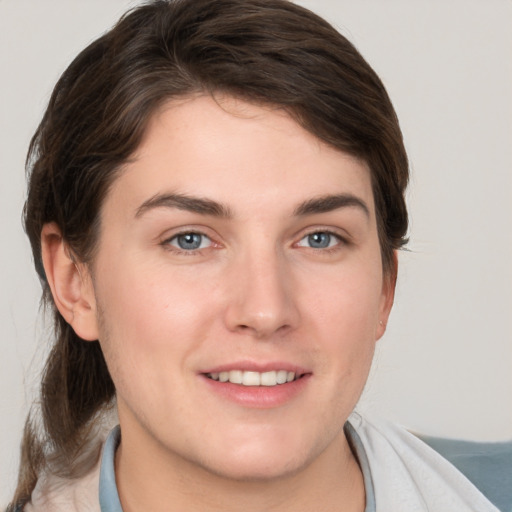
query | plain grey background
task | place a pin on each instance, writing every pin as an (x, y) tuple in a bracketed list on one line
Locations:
[(445, 365)]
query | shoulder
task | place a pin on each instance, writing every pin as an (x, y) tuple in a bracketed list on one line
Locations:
[(409, 474), (56, 494), (80, 493), (487, 465)]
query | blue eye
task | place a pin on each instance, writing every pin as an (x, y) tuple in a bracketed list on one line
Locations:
[(319, 240), (190, 241)]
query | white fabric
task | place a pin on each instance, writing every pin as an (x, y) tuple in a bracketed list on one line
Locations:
[(409, 476), (61, 495)]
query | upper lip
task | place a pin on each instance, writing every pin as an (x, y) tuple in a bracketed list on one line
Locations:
[(260, 367)]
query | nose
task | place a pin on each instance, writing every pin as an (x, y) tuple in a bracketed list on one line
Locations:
[(261, 300)]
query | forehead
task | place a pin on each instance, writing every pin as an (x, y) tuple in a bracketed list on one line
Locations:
[(237, 153)]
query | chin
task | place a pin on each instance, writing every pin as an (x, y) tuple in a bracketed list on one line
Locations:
[(259, 461), (257, 470)]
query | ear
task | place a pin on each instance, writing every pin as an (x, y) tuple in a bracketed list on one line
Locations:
[(70, 283), (388, 296)]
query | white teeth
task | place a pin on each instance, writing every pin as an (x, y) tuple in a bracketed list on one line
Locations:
[(268, 379), (281, 376), (246, 378), (236, 377), (251, 379)]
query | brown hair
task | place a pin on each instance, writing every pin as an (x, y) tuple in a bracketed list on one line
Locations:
[(264, 51)]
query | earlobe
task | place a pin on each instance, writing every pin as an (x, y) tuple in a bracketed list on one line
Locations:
[(70, 283), (388, 296)]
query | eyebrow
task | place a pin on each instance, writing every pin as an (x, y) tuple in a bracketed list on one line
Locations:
[(329, 203), (185, 202), (204, 206)]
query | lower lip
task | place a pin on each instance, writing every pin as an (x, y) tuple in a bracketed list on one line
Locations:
[(258, 397)]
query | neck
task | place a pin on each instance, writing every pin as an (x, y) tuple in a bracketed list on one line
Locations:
[(148, 478)]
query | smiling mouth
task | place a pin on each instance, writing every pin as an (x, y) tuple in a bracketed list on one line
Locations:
[(249, 378)]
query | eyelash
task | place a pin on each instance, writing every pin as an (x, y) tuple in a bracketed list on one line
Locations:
[(180, 251), (340, 241)]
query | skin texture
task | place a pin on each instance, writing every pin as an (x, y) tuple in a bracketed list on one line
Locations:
[(255, 293)]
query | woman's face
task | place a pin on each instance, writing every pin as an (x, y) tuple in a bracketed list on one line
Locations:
[(237, 246)]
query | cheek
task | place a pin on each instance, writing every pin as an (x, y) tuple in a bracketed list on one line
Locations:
[(147, 320), (145, 298), (343, 318), (347, 302)]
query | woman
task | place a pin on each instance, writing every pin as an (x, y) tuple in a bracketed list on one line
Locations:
[(215, 203)]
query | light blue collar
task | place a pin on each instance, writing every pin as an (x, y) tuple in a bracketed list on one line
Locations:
[(109, 498), (360, 454)]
